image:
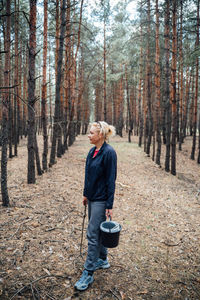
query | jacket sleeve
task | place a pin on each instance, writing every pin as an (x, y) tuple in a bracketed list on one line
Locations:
[(85, 182), (111, 175)]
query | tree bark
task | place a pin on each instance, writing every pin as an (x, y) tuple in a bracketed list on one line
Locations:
[(149, 85), (104, 71), (186, 102), (98, 100), (31, 93), (56, 128), (37, 157), (80, 94), (44, 91), (130, 116), (16, 75), (67, 79), (173, 88), (157, 87), (196, 89), (140, 116), (72, 123), (192, 103), (167, 105), (25, 93), (5, 106), (181, 76), (19, 123), (57, 35)]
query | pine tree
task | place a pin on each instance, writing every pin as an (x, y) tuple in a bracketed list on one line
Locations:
[(5, 106)]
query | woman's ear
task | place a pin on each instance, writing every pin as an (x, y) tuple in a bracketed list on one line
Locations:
[(101, 134)]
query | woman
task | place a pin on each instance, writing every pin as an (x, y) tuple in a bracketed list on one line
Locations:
[(99, 188)]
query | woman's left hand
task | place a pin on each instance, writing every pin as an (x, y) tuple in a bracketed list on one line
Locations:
[(109, 213)]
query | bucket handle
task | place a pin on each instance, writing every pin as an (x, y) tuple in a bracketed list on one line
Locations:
[(110, 219)]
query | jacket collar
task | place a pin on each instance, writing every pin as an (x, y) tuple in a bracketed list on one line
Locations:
[(101, 149)]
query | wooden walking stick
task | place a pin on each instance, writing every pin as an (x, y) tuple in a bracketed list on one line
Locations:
[(84, 215)]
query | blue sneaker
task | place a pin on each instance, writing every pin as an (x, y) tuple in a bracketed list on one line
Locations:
[(102, 264), (85, 280)]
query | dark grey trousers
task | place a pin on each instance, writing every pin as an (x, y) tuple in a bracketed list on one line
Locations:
[(96, 215)]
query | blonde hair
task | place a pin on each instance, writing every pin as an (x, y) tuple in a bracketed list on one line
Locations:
[(104, 128)]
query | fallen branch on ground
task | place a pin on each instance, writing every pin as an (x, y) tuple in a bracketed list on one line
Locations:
[(114, 294), (19, 228), (34, 281)]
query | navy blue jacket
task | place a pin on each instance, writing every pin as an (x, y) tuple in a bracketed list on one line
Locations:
[(100, 175)]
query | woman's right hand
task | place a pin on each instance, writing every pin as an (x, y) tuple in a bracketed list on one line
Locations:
[(85, 201)]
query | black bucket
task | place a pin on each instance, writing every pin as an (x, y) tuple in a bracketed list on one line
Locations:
[(110, 232)]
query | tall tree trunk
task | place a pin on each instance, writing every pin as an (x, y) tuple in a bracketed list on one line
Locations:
[(67, 78), (145, 109), (198, 158), (192, 103), (60, 148), (196, 88), (134, 110), (166, 87), (37, 157), (177, 97), (58, 83), (130, 116), (140, 117), (119, 107), (16, 77), (31, 92), (80, 73), (67, 83), (181, 76), (50, 95), (80, 94), (98, 100), (72, 70), (149, 85), (104, 71), (10, 127), (197, 74), (186, 104), (173, 88), (19, 109), (72, 124), (5, 106), (1, 78), (44, 91), (157, 87), (25, 93), (10, 114), (57, 35)]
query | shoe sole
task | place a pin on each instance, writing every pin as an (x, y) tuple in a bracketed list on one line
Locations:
[(79, 289), (103, 267)]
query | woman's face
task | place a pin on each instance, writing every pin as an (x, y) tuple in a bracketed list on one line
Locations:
[(94, 136)]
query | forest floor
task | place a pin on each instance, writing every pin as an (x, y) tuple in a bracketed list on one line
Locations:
[(158, 254)]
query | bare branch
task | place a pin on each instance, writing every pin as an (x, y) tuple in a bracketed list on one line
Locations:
[(8, 87), (34, 281), (24, 101), (24, 13)]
